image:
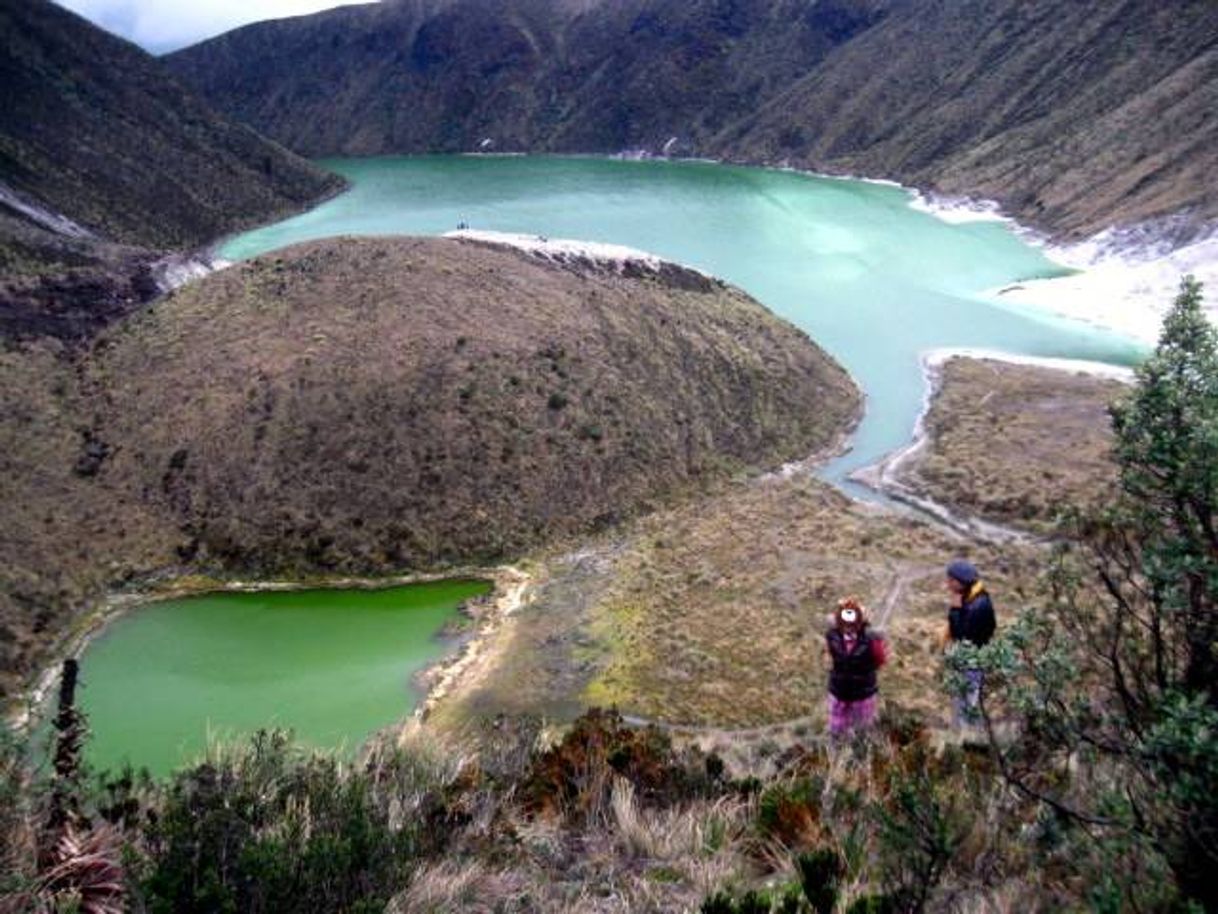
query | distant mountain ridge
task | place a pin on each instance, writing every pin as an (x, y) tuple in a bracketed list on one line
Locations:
[(106, 162), (1075, 116)]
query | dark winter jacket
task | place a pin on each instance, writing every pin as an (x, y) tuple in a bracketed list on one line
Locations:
[(852, 677), (974, 621)]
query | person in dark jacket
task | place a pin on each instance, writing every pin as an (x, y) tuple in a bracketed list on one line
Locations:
[(856, 654), (970, 618)]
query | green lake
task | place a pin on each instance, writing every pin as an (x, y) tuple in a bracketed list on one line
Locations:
[(332, 665), (871, 279)]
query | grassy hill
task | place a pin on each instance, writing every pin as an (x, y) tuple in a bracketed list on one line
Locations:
[(384, 405), (1040, 415)]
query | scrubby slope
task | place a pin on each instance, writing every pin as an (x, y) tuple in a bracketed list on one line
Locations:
[(381, 402), (1076, 116), (535, 74), (376, 405), (1016, 444), (97, 129), (105, 162)]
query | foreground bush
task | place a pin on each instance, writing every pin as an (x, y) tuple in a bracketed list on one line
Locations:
[(268, 828), (1113, 685)]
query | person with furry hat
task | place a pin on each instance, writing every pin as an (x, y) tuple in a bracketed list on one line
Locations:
[(970, 618), (856, 654)]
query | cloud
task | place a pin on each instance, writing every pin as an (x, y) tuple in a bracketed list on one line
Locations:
[(159, 26)]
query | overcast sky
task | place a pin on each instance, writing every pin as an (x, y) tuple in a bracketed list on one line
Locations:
[(162, 26)]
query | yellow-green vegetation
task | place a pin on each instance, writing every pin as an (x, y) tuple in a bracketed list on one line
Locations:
[(1016, 443), (712, 614), (718, 610)]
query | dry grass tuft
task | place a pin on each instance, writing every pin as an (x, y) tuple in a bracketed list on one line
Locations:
[(469, 887)]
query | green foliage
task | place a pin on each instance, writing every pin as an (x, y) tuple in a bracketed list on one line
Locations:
[(789, 809), (921, 825), (1167, 447), (268, 828), (1115, 680), (752, 902), (718, 903), (874, 904), (14, 804), (819, 872), (1181, 749)]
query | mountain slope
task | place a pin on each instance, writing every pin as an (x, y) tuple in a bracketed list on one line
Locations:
[(538, 74), (1076, 116), (105, 161)]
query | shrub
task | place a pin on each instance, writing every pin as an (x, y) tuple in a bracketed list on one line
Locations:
[(789, 810), (16, 838), (751, 902), (920, 828), (819, 872), (874, 904), (269, 828), (576, 776), (1115, 680)]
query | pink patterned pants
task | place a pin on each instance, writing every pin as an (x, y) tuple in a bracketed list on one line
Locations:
[(846, 717)]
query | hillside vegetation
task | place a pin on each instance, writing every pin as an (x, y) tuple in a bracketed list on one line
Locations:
[(106, 162), (1016, 444), (1089, 783), (381, 405), (1075, 116)]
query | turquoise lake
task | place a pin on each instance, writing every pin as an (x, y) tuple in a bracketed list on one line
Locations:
[(850, 262)]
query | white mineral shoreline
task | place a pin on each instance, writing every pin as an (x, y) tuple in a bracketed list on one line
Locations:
[(566, 250), (1121, 288), (1126, 279)]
